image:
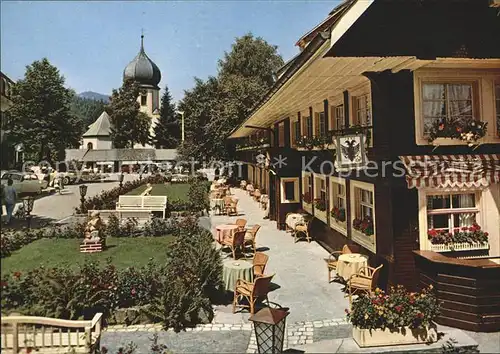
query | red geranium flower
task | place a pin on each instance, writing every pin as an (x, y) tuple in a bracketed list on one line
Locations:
[(398, 308), (17, 274), (133, 292), (420, 315)]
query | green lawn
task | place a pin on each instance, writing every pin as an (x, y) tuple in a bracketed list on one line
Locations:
[(124, 252), (172, 191)]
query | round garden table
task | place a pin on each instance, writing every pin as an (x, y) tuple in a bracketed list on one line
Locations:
[(225, 230), (350, 263), (234, 270)]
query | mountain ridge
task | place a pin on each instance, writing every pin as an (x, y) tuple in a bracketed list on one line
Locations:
[(96, 96)]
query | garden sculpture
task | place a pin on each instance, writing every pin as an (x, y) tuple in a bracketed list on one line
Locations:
[(92, 230)]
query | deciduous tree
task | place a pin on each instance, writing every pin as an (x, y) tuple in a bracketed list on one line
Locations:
[(40, 116)]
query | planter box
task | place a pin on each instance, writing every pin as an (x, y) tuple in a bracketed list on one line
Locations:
[(307, 207), (457, 247), (321, 215), (386, 337), (449, 141), (340, 226)]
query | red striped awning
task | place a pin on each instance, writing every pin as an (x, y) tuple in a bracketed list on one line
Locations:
[(452, 171)]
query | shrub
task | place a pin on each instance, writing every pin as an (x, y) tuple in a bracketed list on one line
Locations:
[(198, 195), (117, 228), (137, 286), (398, 309), (160, 227)]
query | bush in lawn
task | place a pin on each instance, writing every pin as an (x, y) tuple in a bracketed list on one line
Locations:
[(160, 227), (11, 241), (61, 292), (198, 196), (192, 277), (137, 286), (116, 228)]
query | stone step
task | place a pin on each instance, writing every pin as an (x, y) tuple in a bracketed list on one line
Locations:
[(453, 338)]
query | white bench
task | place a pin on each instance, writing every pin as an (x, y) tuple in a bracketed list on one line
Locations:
[(50, 335), (142, 203)]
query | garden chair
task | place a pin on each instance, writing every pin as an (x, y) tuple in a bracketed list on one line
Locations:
[(234, 242), (303, 229), (256, 195), (243, 184), (251, 291), (250, 237), (332, 260), (231, 206), (365, 280), (259, 264), (241, 223)]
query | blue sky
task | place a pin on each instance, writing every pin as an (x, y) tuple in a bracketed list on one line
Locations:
[(92, 42)]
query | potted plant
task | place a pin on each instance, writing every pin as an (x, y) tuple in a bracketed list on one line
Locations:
[(460, 239), (364, 225), (400, 317)]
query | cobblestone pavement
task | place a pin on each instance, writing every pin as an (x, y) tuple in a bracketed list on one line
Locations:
[(214, 337)]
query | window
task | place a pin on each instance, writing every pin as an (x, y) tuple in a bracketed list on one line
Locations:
[(497, 104), (90, 146), (451, 211), (322, 124), (338, 206), (338, 117), (362, 110), (363, 214), (295, 132), (307, 188), (446, 102), (289, 190), (144, 99), (281, 134), (309, 126)]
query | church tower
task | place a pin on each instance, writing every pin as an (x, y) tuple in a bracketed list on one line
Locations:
[(147, 75)]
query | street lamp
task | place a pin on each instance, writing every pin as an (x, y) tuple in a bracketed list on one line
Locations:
[(83, 192), (270, 325), (120, 179), (182, 124), (28, 203)]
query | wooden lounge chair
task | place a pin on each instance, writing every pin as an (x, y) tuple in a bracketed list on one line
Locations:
[(241, 223), (252, 292), (332, 260), (365, 280), (250, 237), (303, 229), (259, 264), (234, 242)]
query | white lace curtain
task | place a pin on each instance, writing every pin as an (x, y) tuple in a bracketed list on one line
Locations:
[(441, 101)]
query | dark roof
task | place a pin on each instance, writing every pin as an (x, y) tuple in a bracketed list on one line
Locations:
[(143, 70)]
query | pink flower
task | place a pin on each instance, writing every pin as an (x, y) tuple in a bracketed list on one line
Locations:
[(398, 308), (420, 315), (133, 292)]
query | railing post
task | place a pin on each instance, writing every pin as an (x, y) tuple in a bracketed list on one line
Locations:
[(15, 338)]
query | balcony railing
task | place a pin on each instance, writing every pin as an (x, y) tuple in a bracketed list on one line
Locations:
[(254, 145), (457, 247)]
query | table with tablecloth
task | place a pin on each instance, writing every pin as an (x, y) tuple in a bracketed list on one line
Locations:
[(234, 270), (293, 219), (350, 263), (225, 230)]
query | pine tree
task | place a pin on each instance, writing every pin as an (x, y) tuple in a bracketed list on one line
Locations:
[(128, 126), (167, 129), (41, 116)]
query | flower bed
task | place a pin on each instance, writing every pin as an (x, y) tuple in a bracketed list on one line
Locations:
[(410, 315), (460, 239), (178, 293)]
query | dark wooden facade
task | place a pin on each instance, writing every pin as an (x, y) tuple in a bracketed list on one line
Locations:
[(394, 134)]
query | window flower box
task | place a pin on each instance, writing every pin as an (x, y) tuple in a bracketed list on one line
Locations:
[(321, 215), (467, 238), (457, 247), (307, 203), (465, 132)]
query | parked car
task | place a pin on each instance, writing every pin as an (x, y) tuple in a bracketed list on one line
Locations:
[(24, 182)]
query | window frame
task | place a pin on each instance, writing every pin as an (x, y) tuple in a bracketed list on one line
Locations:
[(144, 99), (307, 186), (355, 110), (281, 134), (338, 118), (296, 191), (309, 126), (319, 190), (322, 123), (335, 182), (356, 235)]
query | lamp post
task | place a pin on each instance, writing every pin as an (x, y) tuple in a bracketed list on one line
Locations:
[(270, 327), (83, 192), (120, 179), (28, 203), (182, 124)]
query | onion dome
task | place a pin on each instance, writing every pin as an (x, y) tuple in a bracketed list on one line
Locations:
[(143, 70)]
